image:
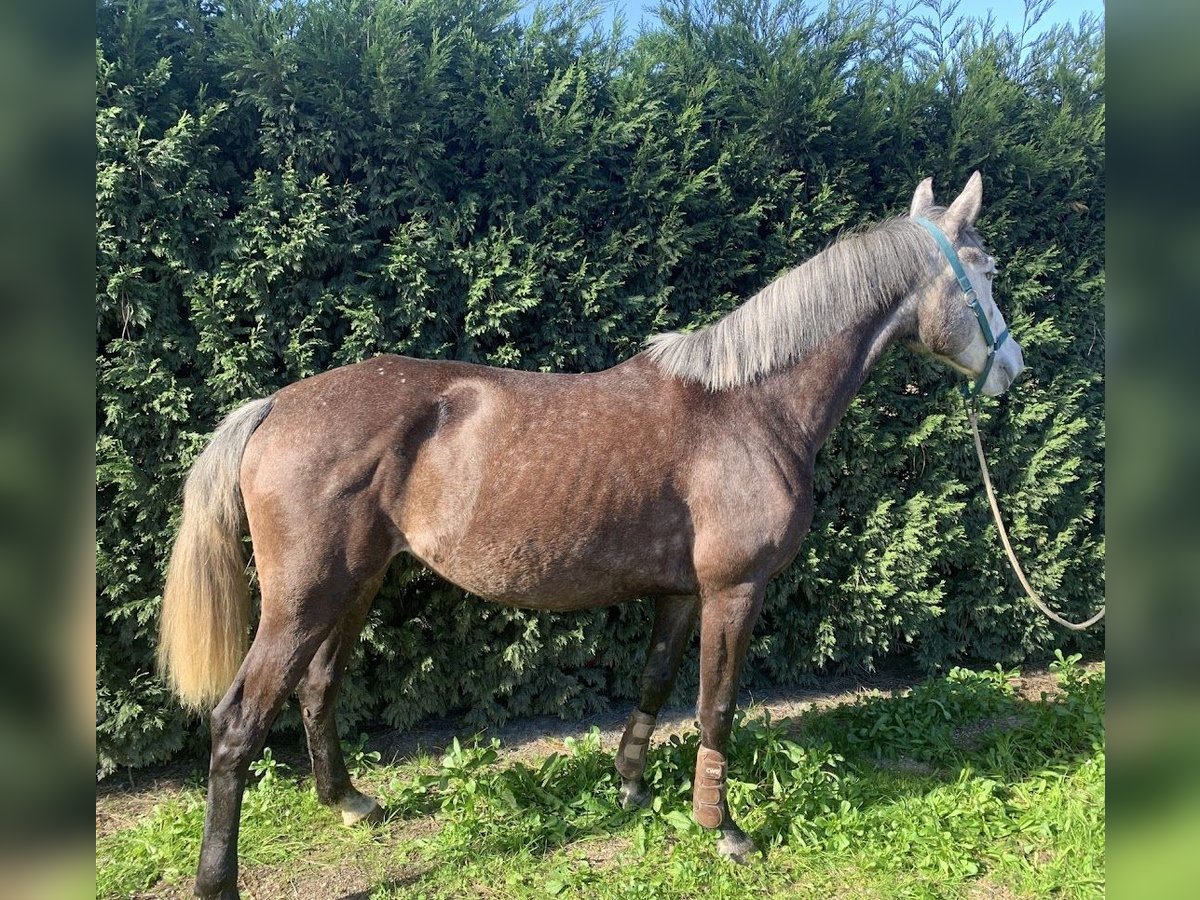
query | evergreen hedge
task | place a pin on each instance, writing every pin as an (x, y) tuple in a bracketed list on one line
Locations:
[(284, 187)]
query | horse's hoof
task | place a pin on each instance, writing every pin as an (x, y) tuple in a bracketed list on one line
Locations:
[(359, 809), (634, 795), (737, 848)]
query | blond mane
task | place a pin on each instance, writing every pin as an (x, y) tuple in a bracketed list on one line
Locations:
[(853, 279)]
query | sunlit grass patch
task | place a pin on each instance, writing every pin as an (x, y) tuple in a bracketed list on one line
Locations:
[(960, 787)]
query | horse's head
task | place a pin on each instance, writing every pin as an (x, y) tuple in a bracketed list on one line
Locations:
[(972, 340)]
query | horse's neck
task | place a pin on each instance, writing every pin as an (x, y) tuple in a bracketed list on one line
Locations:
[(808, 398)]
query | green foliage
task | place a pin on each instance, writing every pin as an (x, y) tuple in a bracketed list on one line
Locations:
[(267, 769), (928, 722), (286, 187), (359, 759), (828, 814)]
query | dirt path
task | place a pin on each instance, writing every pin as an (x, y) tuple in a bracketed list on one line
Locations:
[(539, 736)]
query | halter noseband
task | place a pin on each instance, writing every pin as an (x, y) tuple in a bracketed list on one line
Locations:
[(968, 289)]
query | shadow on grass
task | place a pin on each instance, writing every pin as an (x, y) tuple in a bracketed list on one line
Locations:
[(388, 885)]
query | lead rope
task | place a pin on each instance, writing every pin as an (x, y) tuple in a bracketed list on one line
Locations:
[(1012, 557)]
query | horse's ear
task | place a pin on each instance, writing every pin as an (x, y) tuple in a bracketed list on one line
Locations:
[(922, 198), (965, 208)]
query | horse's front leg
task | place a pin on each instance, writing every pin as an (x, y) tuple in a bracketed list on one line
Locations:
[(674, 621), (727, 619)]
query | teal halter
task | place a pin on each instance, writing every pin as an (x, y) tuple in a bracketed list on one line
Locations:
[(972, 300)]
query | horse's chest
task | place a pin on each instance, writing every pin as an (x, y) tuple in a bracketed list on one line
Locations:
[(750, 526)]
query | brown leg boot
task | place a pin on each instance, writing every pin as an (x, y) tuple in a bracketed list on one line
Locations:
[(708, 788), (710, 810), (631, 760)]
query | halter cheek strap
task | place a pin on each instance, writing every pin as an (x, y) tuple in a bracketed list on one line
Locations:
[(993, 343)]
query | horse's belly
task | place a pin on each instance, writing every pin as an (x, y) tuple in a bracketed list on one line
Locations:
[(565, 571)]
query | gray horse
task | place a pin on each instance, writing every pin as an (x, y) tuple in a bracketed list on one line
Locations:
[(683, 474)]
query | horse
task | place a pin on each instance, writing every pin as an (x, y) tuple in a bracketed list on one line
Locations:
[(683, 474)]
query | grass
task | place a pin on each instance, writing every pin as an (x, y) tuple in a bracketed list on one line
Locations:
[(960, 787)]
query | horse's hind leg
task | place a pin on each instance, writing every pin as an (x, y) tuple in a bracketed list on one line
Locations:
[(287, 638), (318, 692), (674, 621), (726, 622)]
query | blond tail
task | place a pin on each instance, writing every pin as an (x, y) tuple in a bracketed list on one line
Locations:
[(206, 600)]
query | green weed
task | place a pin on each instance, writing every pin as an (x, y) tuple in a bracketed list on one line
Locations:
[(359, 760)]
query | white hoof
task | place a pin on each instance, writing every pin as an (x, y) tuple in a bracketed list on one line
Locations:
[(357, 808)]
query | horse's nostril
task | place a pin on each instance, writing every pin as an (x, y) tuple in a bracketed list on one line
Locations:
[(1013, 365)]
